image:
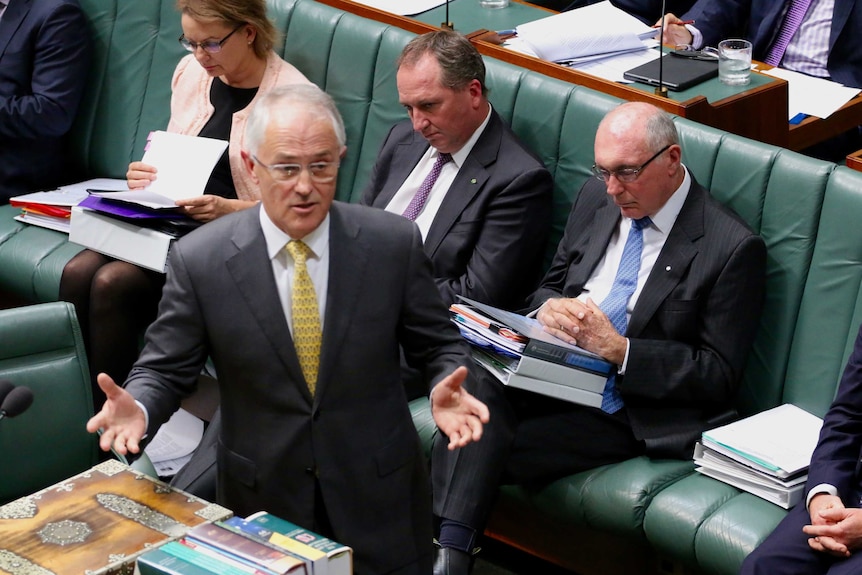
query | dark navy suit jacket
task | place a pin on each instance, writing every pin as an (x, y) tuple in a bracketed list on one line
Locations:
[(760, 20), (44, 56)]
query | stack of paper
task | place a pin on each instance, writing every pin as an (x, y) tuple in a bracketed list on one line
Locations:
[(766, 454), (584, 34), (53, 209), (518, 352)]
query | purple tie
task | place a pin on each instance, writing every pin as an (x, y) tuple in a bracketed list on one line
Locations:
[(791, 23), (418, 202)]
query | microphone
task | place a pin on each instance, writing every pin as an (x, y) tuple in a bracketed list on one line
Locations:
[(16, 402), (661, 89), (5, 387), (447, 25)]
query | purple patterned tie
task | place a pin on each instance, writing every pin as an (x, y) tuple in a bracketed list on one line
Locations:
[(791, 23), (418, 202)]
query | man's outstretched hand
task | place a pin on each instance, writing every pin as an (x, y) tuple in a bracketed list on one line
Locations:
[(457, 413), (121, 419)]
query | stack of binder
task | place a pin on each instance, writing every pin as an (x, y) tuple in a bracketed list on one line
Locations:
[(261, 544), (518, 352), (766, 454)]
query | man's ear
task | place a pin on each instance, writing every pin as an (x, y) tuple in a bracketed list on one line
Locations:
[(249, 164), (343, 152)]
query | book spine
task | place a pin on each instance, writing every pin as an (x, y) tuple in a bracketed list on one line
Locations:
[(260, 533), (564, 392), (555, 373), (246, 548), (174, 558), (222, 557), (562, 356)]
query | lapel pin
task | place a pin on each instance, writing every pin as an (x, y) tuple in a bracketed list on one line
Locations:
[(667, 269), (473, 181)]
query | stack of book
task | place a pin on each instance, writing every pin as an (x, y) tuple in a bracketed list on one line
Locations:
[(517, 351), (766, 454), (261, 544)]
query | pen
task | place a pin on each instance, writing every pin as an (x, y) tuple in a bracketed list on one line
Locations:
[(507, 32), (680, 23)]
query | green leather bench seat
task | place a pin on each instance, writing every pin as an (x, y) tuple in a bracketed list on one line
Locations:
[(639, 516)]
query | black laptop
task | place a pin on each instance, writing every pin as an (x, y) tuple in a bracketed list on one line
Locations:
[(678, 73)]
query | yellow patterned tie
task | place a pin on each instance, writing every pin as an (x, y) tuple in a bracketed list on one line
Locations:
[(306, 317)]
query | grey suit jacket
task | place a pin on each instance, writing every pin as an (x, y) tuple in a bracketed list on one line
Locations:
[(694, 321), (488, 238), (355, 437)]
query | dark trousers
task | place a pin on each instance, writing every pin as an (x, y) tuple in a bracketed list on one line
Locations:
[(530, 439), (786, 552)]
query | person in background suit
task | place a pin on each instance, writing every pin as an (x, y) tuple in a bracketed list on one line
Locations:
[(823, 534), (487, 218), (44, 57), (825, 44), (315, 425), (695, 292)]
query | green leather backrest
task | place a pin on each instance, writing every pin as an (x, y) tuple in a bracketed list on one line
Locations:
[(42, 349), (831, 309), (129, 88)]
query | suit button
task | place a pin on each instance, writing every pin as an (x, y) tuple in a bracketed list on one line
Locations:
[(311, 470), (316, 415)]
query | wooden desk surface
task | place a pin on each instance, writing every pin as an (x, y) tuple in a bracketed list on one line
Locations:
[(758, 111)]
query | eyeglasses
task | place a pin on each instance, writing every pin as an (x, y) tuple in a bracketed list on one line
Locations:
[(209, 46), (320, 172), (625, 175)]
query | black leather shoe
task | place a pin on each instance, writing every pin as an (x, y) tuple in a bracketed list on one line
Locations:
[(448, 561)]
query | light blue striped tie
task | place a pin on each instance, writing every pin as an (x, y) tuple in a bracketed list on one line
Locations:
[(615, 304)]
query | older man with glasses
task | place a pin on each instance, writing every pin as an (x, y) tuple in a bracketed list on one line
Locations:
[(653, 275)]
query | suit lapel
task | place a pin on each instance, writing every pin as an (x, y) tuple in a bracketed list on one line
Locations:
[(604, 223), (674, 259), (251, 271), (404, 158), (12, 19), (840, 15), (348, 259)]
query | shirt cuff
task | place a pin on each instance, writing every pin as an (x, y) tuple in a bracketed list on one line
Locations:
[(622, 368), (818, 489), (146, 418), (696, 37)]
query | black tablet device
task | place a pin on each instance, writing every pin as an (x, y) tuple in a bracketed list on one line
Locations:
[(677, 74)]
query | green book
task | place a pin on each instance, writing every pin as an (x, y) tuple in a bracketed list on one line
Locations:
[(329, 557), (174, 558)]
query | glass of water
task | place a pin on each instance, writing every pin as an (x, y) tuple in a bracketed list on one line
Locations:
[(734, 62)]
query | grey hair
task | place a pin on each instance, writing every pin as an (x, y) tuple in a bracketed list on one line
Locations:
[(307, 96), (660, 131)]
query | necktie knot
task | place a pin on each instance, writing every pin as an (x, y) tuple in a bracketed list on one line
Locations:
[(642, 223), (299, 251)]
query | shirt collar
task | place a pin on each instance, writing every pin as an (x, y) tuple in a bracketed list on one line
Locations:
[(276, 239), (664, 219)]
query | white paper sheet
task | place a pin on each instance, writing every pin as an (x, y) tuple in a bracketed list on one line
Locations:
[(184, 163), (595, 29), (782, 437), (812, 96)]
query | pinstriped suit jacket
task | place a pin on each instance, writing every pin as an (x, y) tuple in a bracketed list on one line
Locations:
[(694, 321)]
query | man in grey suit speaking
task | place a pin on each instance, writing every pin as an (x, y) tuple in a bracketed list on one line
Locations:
[(302, 305), (655, 276)]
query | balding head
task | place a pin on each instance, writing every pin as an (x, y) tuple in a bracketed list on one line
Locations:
[(639, 136)]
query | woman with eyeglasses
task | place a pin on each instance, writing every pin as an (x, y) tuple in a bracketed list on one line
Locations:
[(231, 63)]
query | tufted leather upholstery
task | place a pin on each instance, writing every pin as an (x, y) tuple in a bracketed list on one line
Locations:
[(650, 516)]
